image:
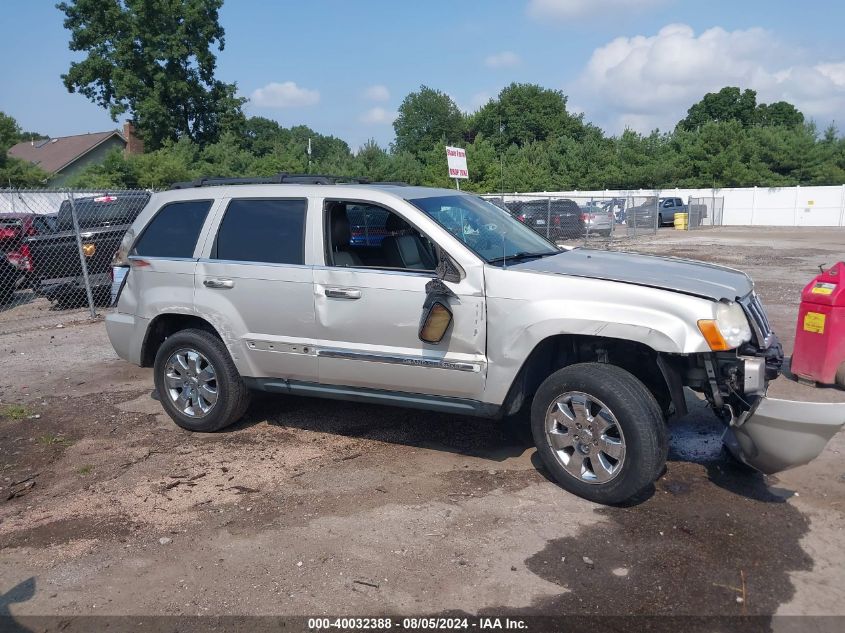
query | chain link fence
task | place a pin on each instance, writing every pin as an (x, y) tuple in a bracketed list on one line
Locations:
[(56, 249), (705, 212), (56, 246), (591, 221)]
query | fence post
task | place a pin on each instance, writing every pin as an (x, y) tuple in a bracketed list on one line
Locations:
[(82, 262), (549, 218), (842, 208)]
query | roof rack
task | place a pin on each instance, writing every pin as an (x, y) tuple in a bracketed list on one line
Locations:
[(280, 178)]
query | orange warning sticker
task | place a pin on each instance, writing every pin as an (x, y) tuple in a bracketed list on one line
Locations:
[(814, 322), (823, 288)]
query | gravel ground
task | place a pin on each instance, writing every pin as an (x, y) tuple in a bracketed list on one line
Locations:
[(310, 507)]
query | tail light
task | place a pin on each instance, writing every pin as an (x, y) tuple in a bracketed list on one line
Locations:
[(521, 217), (556, 220), (21, 259), (585, 217), (102, 199), (7, 234), (25, 262), (121, 257)]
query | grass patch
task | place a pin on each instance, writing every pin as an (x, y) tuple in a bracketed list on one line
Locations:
[(51, 439), (85, 470), (15, 412)]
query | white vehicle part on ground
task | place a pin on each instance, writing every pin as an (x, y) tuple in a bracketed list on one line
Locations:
[(782, 434)]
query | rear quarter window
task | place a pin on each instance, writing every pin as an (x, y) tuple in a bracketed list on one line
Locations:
[(174, 230), (266, 231)]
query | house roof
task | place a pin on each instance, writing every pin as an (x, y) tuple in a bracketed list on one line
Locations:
[(53, 155)]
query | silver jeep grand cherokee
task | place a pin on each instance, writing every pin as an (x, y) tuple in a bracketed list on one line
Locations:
[(439, 300)]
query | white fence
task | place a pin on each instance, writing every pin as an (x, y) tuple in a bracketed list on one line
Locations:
[(748, 206), (753, 206)]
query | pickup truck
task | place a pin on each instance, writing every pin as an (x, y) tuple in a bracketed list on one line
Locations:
[(55, 260), (255, 284), (667, 208)]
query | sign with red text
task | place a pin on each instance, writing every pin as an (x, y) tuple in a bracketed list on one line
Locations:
[(456, 157)]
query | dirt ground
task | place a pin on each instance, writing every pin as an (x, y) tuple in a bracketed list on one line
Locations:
[(313, 507)]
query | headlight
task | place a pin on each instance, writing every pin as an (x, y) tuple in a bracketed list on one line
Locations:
[(728, 330)]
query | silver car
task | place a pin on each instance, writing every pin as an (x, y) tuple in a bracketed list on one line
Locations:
[(598, 218), (454, 306)]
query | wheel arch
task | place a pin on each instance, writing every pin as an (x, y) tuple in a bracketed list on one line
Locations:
[(658, 371), (164, 325)]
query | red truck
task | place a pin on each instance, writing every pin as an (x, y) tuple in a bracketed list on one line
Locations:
[(15, 259)]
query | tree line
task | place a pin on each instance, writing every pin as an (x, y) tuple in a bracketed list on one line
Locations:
[(157, 68)]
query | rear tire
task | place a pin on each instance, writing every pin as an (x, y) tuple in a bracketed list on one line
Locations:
[(197, 381), (599, 431)]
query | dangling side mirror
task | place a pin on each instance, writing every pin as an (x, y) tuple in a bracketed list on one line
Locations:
[(436, 316)]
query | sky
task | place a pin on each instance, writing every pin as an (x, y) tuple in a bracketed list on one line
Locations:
[(343, 66)]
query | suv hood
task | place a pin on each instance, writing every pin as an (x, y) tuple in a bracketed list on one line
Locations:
[(667, 273)]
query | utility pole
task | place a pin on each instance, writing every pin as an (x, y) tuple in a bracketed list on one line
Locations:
[(309, 154)]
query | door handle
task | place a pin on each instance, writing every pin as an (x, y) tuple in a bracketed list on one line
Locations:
[(218, 283), (343, 293)]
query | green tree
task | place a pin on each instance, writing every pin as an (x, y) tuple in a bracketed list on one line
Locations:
[(10, 132), (427, 117), (153, 60), (779, 113), (15, 172), (524, 113), (729, 104)]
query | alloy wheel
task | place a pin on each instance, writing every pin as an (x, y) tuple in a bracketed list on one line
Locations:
[(585, 437), (191, 382)]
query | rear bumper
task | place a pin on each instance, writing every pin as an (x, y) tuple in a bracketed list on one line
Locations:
[(780, 434), (64, 286), (126, 334)]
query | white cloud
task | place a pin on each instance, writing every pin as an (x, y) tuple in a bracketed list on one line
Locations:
[(378, 116), (576, 9), (377, 93), (475, 102), (284, 95), (505, 59), (645, 82)]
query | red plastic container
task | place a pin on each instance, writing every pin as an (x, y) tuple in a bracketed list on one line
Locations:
[(820, 333)]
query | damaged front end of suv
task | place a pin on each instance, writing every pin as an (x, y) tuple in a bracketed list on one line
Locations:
[(765, 433)]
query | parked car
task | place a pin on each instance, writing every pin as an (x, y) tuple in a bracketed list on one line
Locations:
[(238, 287), (55, 256), (667, 208), (555, 218), (9, 276), (643, 215), (17, 265), (368, 225), (598, 218)]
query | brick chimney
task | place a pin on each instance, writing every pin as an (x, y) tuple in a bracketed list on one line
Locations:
[(134, 145)]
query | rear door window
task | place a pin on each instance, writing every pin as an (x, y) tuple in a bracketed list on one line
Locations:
[(174, 230), (267, 231)]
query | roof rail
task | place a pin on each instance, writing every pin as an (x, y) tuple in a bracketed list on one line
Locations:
[(278, 179)]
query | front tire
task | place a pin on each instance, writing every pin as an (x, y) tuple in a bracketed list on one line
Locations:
[(599, 431), (197, 382)]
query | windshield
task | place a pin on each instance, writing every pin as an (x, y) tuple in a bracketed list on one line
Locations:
[(492, 233)]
